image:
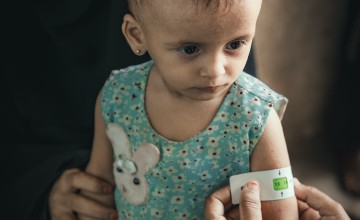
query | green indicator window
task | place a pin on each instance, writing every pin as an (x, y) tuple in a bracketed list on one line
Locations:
[(280, 183)]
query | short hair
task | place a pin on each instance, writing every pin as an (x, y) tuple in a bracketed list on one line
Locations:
[(134, 6)]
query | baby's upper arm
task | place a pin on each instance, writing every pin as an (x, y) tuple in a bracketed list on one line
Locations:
[(101, 159), (270, 153)]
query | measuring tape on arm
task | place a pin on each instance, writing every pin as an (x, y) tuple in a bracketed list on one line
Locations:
[(275, 184)]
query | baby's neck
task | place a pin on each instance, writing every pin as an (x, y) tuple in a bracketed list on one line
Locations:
[(175, 117), (178, 122)]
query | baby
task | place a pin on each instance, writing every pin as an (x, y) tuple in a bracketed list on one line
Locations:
[(170, 131)]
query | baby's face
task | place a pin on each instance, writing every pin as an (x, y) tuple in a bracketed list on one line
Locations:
[(199, 51)]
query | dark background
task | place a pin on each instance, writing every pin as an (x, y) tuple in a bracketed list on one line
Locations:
[(56, 56)]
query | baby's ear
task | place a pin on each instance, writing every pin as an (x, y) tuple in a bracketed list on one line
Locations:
[(146, 157), (133, 33), (119, 140)]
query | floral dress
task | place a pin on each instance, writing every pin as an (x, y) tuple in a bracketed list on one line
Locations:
[(162, 179)]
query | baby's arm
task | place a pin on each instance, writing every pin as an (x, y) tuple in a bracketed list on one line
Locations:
[(271, 153), (100, 164)]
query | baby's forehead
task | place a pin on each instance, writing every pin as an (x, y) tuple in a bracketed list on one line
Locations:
[(182, 8), (137, 6), (184, 21)]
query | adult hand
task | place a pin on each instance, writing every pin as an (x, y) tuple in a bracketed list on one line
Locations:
[(314, 204), (250, 204), (65, 201), (218, 205)]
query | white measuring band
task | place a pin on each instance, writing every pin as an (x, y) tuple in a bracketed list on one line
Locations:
[(274, 184)]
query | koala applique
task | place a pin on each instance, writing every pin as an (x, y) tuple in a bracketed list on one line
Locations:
[(129, 167)]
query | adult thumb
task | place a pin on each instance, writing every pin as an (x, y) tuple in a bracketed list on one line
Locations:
[(250, 204)]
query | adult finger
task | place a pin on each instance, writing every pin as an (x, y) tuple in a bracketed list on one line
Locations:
[(250, 204), (319, 201), (64, 216), (78, 180), (232, 213), (306, 212), (217, 203), (91, 208), (64, 199), (82, 205)]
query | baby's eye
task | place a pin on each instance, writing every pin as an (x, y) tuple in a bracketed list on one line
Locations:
[(189, 49), (235, 45)]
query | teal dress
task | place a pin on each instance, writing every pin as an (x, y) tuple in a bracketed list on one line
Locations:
[(188, 171)]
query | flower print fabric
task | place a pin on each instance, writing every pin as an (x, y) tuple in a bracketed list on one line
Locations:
[(188, 171)]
